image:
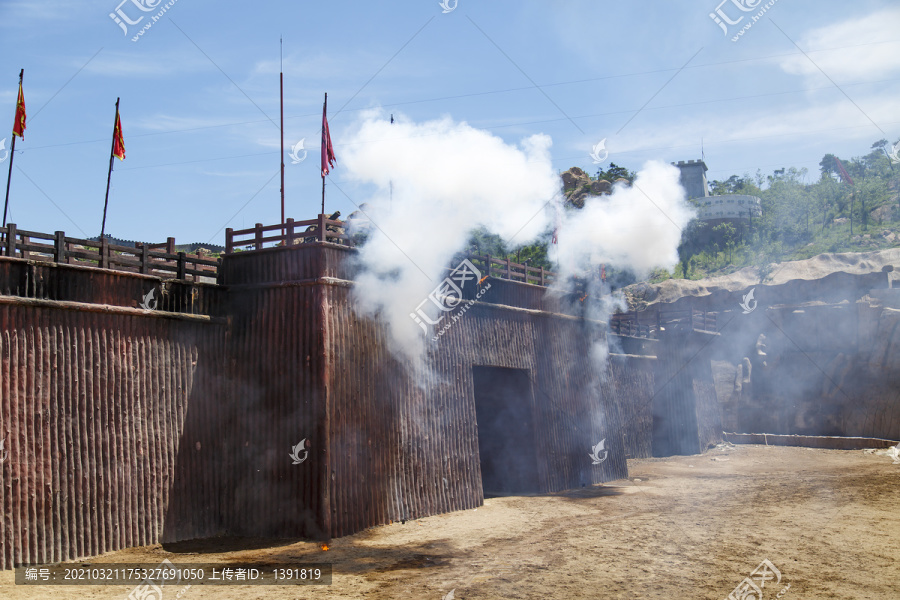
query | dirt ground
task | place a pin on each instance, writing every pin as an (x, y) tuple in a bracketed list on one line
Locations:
[(682, 527)]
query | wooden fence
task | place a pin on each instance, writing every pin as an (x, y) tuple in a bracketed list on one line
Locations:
[(324, 229), (504, 268), (161, 259), (647, 324), (320, 229), (144, 258)]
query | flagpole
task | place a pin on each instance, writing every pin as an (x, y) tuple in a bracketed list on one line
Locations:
[(324, 116), (112, 149), (12, 154), (392, 181), (282, 132)]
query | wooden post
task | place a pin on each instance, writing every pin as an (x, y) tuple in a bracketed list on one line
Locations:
[(25, 240), (59, 247), (508, 269), (170, 245), (145, 259), (487, 263), (258, 236), (322, 236), (181, 267), (10, 239), (104, 253), (229, 240), (290, 233), (542, 275)]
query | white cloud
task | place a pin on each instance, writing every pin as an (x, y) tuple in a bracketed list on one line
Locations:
[(121, 65), (855, 55), (828, 116), (46, 10)]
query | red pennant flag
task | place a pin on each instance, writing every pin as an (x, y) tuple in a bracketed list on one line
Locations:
[(844, 175), (327, 149), (19, 125), (118, 140)]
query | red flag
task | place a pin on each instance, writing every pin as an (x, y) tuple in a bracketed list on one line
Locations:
[(118, 140), (327, 149), (842, 170), (19, 125)]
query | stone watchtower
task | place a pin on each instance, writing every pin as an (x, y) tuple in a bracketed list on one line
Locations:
[(693, 178)]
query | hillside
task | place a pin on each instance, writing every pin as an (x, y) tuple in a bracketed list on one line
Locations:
[(641, 295)]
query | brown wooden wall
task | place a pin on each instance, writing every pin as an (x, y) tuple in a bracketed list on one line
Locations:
[(404, 445), (128, 427), (686, 414), (632, 384), (275, 369), (108, 418)]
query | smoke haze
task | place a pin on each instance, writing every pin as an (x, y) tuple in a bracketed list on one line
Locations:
[(434, 182), (637, 227), (448, 178)]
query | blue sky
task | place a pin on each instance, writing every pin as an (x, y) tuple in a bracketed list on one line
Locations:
[(199, 94)]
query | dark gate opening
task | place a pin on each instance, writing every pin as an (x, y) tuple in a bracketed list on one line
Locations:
[(504, 410)]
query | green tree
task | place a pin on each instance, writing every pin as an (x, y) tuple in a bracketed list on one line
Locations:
[(692, 241), (615, 172)]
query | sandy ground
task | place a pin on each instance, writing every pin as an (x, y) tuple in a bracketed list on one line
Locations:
[(683, 527)]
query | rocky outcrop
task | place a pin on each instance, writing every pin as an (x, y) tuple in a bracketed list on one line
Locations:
[(578, 185), (728, 287)]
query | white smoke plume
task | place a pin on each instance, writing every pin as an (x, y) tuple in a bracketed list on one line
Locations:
[(447, 178), (637, 227), (434, 182)]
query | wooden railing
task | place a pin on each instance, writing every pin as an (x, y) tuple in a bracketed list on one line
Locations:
[(289, 233), (59, 248), (324, 229), (633, 325), (648, 323), (504, 268)]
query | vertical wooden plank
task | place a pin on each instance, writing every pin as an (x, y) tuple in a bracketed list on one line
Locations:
[(140, 446), (80, 466), (113, 408), (48, 450), (11, 239), (152, 413), (69, 398), (7, 524), (27, 463), (57, 440), (109, 357), (97, 436), (129, 422), (31, 474), (15, 445)]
